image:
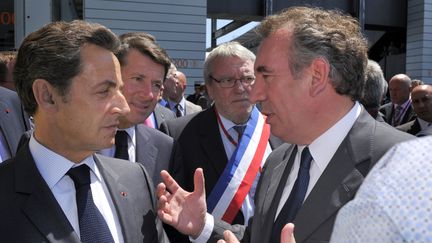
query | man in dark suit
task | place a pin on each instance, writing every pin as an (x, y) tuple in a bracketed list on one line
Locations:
[(57, 189), (175, 86), (421, 97), (13, 123), (399, 110), (144, 65), (334, 140), (209, 140)]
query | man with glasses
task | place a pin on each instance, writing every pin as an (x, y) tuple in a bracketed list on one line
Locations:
[(230, 140)]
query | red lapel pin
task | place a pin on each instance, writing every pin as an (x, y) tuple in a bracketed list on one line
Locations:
[(123, 194)]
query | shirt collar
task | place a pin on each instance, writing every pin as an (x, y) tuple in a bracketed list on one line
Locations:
[(53, 166), (182, 104), (404, 105), (423, 124), (228, 124), (324, 147)]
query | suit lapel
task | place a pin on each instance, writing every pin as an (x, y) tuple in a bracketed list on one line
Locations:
[(41, 206), (212, 144), (275, 182), (146, 152), (121, 201), (340, 180)]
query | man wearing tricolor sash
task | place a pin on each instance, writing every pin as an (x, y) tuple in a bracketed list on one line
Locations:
[(230, 140)]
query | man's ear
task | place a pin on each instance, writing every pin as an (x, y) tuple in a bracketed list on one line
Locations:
[(320, 69), (44, 94)]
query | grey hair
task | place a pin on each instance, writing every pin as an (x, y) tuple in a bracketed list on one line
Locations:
[(375, 85), (228, 49)]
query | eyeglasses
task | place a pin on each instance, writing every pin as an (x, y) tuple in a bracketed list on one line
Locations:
[(230, 82)]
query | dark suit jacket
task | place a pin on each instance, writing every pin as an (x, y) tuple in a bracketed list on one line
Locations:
[(162, 114), (13, 120), (365, 144), (202, 147), (157, 151), (388, 111), (30, 213)]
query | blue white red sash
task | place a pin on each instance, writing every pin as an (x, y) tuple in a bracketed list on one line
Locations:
[(231, 189)]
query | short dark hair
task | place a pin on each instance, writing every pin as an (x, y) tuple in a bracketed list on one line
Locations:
[(146, 46), (329, 34), (53, 53)]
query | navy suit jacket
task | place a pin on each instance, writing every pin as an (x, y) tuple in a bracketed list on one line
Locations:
[(29, 211)]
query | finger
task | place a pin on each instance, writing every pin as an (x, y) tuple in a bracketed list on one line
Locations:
[(160, 190), (221, 241), (199, 181), (166, 218), (230, 237), (287, 234), (170, 183)]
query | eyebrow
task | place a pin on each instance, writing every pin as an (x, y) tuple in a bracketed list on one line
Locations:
[(262, 69)]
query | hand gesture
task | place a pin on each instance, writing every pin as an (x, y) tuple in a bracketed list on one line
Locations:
[(183, 210)]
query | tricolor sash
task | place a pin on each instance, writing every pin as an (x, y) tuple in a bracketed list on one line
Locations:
[(234, 184)]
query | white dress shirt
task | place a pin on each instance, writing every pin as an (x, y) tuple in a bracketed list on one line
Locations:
[(182, 106), (322, 150), (109, 152), (394, 203), (53, 168)]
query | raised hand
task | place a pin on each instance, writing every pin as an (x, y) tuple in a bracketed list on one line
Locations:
[(183, 210)]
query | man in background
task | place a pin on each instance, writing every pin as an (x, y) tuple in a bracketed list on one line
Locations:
[(421, 97), (374, 90), (144, 65), (7, 63), (399, 110), (175, 86)]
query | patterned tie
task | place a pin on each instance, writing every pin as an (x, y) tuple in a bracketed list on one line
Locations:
[(397, 116), (178, 111), (296, 197), (121, 145), (93, 227)]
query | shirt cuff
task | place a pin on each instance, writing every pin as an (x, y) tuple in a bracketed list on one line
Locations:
[(206, 232)]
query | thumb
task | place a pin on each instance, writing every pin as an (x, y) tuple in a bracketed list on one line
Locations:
[(230, 237), (287, 234)]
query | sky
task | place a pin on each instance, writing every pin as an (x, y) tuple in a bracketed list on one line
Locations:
[(230, 36)]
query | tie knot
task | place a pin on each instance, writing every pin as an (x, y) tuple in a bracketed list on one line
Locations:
[(80, 175), (306, 159), (239, 129)]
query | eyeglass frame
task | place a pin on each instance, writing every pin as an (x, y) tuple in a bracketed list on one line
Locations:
[(224, 81)]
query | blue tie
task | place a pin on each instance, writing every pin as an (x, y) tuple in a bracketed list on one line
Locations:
[(296, 197), (93, 227)]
